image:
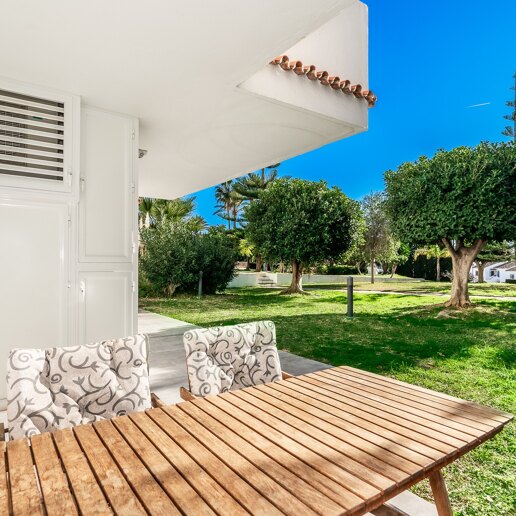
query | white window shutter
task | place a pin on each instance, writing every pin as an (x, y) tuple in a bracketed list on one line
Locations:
[(33, 137)]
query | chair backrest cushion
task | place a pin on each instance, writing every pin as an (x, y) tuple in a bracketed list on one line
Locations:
[(49, 389), (231, 357)]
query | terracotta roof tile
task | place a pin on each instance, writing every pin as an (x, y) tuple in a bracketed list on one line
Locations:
[(310, 71)]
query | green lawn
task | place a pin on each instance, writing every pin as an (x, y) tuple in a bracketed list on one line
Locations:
[(470, 354)]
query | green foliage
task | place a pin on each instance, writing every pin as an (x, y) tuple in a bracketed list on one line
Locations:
[(431, 251), (303, 221), (377, 235), (252, 185), (341, 269), (173, 255), (510, 130), (462, 194), (155, 211), (495, 252), (229, 203)]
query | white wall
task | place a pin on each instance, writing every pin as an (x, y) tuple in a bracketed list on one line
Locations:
[(250, 279), (68, 259)]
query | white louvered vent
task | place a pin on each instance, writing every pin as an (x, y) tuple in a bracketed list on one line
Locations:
[(32, 137)]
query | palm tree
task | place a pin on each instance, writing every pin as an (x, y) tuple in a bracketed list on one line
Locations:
[(250, 186), (175, 210), (245, 249), (145, 210), (229, 203), (154, 211), (224, 201), (433, 252)]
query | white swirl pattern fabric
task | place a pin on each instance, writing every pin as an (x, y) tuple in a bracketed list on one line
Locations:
[(50, 389), (231, 357)]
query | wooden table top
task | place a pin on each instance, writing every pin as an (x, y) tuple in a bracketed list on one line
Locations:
[(339, 441)]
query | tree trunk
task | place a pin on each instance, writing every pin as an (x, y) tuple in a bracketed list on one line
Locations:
[(372, 270), (462, 259), (258, 263), (281, 266), (438, 271), (358, 268), (393, 270), (296, 283), (481, 266)]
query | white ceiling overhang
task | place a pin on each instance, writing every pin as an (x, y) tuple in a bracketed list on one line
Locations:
[(195, 73)]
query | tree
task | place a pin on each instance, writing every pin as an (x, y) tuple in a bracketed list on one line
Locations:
[(493, 252), (154, 211), (395, 254), (377, 233), (251, 185), (173, 257), (433, 252), (302, 222), (145, 211), (246, 249), (461, 198), (511, 131), (229, 203), (249, 188)]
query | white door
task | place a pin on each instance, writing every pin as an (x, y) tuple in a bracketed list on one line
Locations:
[(106, 205), (106, 300), (34, 277)]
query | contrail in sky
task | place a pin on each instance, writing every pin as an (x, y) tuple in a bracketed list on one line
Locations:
[(479, 105)]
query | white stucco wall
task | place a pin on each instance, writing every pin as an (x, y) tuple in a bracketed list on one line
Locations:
[(250, 279)]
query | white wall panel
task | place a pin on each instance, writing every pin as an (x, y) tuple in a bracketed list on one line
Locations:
[(34, 269), (106, 301), (106, 193)]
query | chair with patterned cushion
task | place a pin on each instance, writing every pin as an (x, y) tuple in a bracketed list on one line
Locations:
[(49, 389), (226, 358)]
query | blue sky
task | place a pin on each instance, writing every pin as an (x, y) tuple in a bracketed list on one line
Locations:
[(429, 62)]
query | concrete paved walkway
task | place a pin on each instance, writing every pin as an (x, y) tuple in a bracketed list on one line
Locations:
[(167, 356)]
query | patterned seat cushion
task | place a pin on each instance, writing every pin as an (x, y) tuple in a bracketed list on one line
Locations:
[(231, 357), (49, 389)]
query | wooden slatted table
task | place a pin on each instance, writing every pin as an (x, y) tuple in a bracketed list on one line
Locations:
[(340, 441)]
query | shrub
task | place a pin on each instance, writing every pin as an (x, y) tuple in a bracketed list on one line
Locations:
[(173, 256), (342, 269)]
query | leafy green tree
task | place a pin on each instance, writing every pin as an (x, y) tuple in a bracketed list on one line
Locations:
[(492, 252), (462, 198), (302, 222), (395, 254), (173, 257), (377, 235), (434, 252)]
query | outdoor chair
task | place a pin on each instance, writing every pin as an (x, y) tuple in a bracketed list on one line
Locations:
[(50, 389), (225, 358)]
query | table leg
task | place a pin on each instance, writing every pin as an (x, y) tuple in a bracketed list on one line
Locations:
[(442, 502)]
